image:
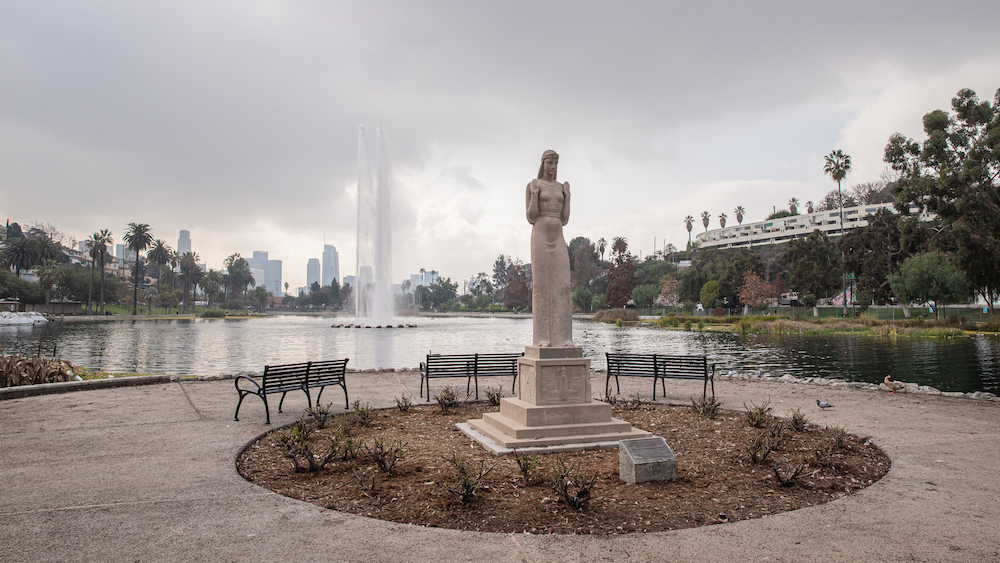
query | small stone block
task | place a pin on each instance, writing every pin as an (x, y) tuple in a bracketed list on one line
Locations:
[(646, 459)]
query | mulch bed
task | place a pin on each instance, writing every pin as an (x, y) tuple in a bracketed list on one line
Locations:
[(717, 482)]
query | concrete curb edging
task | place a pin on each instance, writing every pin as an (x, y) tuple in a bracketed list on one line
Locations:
[(22, 391)]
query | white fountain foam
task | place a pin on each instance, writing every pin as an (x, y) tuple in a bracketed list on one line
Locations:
[(373, 293)]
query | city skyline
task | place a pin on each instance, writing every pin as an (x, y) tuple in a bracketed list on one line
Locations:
[(245, 134)]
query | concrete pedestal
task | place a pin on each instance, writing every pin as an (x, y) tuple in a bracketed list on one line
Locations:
[(554, 406)]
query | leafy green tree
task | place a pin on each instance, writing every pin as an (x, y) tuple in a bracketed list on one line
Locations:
[(583, 262), (582, 299), (874, 252), (501, 267), (954, 174), (261, 296), (137, 237), (518, 292), (737, 264), (621, 275), (212, 285), (929, 277), (481, 285), (645, 295), (168, 299), (441, 291), (812, 264), (238, 276), (14, 287), (709, 294)]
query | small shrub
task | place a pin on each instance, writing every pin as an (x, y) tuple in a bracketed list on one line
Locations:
[(701, 325), (759, 416), (294, 445), (466, 482), (612, 315), (633, 402), (789, 478), (835, 436), (708, 407), (319, 414), (687, 325), (762, 445), (385, 455), (404, 402), (824, 456), (362, 413), (572, 486), (527, 463), (493, 396), (798, 420), (447, 399), (213, 314), (745, 326), (611, 398)]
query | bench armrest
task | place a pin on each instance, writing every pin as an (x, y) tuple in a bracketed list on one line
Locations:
[(236, 382)]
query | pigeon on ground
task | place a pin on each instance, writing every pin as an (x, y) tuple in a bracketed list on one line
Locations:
[(823, 405)]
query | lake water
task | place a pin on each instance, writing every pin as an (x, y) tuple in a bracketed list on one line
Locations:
[(211, 346)]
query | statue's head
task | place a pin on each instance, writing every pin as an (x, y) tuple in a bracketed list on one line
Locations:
[(549, 158)]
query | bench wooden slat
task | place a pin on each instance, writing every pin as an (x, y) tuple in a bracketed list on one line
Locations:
[(294, 377), (659, 367), (469, 366)]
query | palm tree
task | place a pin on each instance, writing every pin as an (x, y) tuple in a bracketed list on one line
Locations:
[(19, 254), (159, 254), (212, 284), (706, 218), (793, 206), (837, 166), (137, 237), (286, 288), (722, 220), (809, 207), (689, 221), (47, 274), (99, 243), (191, 274), (740, 212), (602, 245)]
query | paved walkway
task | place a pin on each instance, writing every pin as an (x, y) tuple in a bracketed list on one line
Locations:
[(147, 474)]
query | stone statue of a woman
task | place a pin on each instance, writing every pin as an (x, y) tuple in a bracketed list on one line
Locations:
[(547, 204)]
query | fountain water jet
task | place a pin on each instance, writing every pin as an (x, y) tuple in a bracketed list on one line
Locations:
[(373, 294)]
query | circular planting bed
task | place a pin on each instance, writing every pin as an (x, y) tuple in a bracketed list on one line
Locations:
[(440, 477)]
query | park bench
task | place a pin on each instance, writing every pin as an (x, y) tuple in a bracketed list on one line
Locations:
[(469, 366), (293, 377), (659, 367)]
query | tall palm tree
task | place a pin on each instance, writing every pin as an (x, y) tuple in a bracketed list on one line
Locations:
[(212, 284), (706, 218), (740, 212), (137, 237), (722, 220), (689, 221), (809, 207), (190, 274), (793, 206), (99, 243), (837, 166), (19, 254), (159, 254), (602, 245)]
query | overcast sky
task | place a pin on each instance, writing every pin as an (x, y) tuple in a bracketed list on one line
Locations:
[(239, 120)]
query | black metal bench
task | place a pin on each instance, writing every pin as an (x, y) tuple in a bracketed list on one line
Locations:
[(469, 366), (659, 367), (293, 377)]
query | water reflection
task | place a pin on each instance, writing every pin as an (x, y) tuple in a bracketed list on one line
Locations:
[(210, 346)]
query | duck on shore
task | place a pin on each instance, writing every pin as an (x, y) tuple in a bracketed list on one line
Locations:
[(894, 385)]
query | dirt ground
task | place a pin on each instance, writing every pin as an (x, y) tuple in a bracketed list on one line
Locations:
[(718, 481)]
